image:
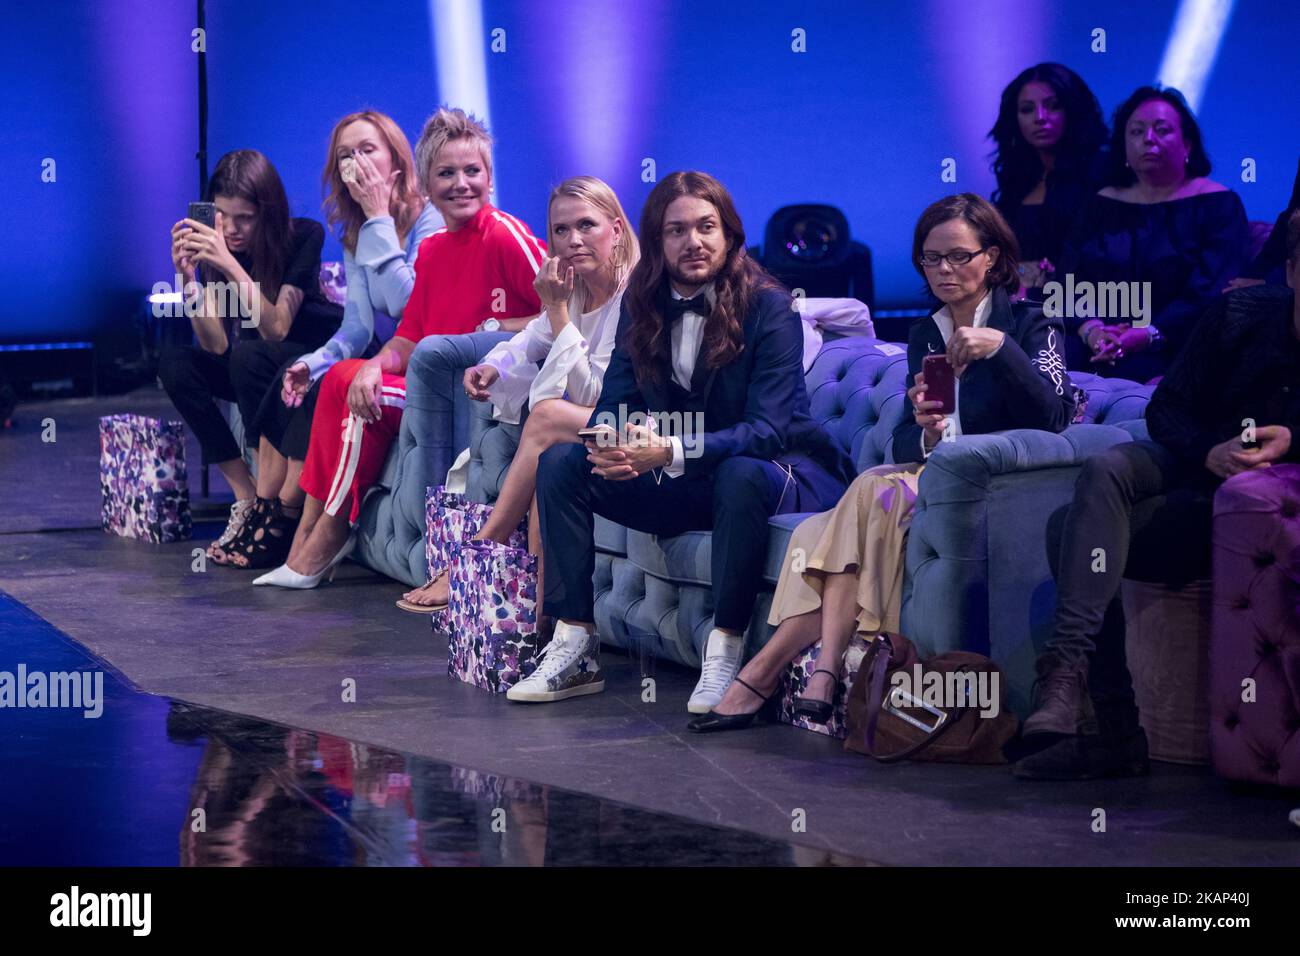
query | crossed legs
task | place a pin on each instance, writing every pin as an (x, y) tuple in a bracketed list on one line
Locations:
[(554, 421)]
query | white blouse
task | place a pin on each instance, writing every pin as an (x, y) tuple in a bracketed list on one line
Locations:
[(575, 360), (943, 319)]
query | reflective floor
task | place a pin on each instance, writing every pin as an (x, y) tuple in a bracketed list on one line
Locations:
[(159, 782), (118, 789)]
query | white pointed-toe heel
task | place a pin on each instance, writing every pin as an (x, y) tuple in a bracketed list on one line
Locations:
[(286, 577)]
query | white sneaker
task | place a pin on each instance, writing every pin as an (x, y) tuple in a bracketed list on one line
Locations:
[(569, 667), (722, 656)]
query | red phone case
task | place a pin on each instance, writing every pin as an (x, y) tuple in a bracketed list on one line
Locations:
[(939, 382)]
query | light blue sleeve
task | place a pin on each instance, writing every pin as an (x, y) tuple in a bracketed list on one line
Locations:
[(358, 323), (390, 268)]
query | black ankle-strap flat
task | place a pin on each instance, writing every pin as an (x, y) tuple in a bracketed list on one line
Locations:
[(713, 722)]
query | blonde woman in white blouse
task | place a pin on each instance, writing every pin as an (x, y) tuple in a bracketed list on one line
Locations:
[(593, 249)]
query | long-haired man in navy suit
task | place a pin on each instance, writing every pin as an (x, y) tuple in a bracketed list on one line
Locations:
[(709, 345)]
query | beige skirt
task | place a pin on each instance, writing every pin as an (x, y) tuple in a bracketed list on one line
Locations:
[(865, 531)]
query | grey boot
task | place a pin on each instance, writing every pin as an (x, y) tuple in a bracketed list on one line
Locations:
[(1061, 704), (1118, 749)]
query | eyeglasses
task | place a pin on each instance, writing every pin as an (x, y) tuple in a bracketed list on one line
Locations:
[(957, 257)]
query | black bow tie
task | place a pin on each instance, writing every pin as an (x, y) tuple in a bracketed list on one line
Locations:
[(679, 307)]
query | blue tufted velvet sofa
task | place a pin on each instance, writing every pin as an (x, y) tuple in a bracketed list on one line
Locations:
[(976, 574), (435, 427)]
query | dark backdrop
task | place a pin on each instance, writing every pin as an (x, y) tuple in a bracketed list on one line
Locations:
[(863, 119)]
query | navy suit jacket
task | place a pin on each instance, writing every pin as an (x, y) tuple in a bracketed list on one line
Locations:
[(755, 406)]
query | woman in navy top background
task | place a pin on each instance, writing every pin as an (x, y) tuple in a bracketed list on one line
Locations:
[(1161, 220)]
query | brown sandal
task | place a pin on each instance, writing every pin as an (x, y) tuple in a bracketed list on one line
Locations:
[(406, 605)]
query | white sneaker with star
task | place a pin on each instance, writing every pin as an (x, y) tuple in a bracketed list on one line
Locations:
[(722, 656), (569, 667)]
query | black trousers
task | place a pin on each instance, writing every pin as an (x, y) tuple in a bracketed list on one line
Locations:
[(1136, 513), (257, 370), (288, 429), (735, 503), (194, 379)]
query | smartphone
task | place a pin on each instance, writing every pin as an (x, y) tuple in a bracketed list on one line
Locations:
[(204, 212), (602, 435), (940, 385)]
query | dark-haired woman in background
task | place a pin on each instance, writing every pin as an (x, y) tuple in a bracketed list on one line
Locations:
[(1049, 135), (1010, 370), (275, 263), (1161, 220)]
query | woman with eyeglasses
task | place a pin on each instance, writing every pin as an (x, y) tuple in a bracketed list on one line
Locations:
[(843, 569)]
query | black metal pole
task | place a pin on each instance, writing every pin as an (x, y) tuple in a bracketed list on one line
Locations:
[(202, 155)]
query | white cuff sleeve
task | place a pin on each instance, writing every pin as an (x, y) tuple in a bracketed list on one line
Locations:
[(677, 467)]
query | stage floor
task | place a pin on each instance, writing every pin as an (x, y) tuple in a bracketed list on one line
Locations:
[(200, 647)]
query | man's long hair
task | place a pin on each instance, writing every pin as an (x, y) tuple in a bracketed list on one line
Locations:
[(737, 285)]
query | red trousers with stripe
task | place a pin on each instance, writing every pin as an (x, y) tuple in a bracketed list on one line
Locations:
[(346, 455)]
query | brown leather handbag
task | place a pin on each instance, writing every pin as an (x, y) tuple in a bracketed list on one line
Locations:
[(932, 710)]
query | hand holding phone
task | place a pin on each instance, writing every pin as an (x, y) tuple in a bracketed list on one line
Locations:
[(602, 435), (204, 212), (940, 384)]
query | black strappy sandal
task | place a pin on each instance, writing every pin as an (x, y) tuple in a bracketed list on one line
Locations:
[(817, 711), (713, 722), (267, 541)]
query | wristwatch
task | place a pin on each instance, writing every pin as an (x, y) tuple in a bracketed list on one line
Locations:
[(490, 325)]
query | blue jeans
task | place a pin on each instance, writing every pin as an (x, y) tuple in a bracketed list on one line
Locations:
[(436, 399)]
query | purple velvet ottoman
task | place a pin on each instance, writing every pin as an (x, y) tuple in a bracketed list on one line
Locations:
[(1255, 643)]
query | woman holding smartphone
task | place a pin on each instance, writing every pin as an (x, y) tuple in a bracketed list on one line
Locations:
[(481, 264), (1007, 371), (581, 290), (372, 196), (272, 265)]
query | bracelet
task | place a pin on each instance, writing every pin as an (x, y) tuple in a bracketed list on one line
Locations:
[(1086, 329)]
